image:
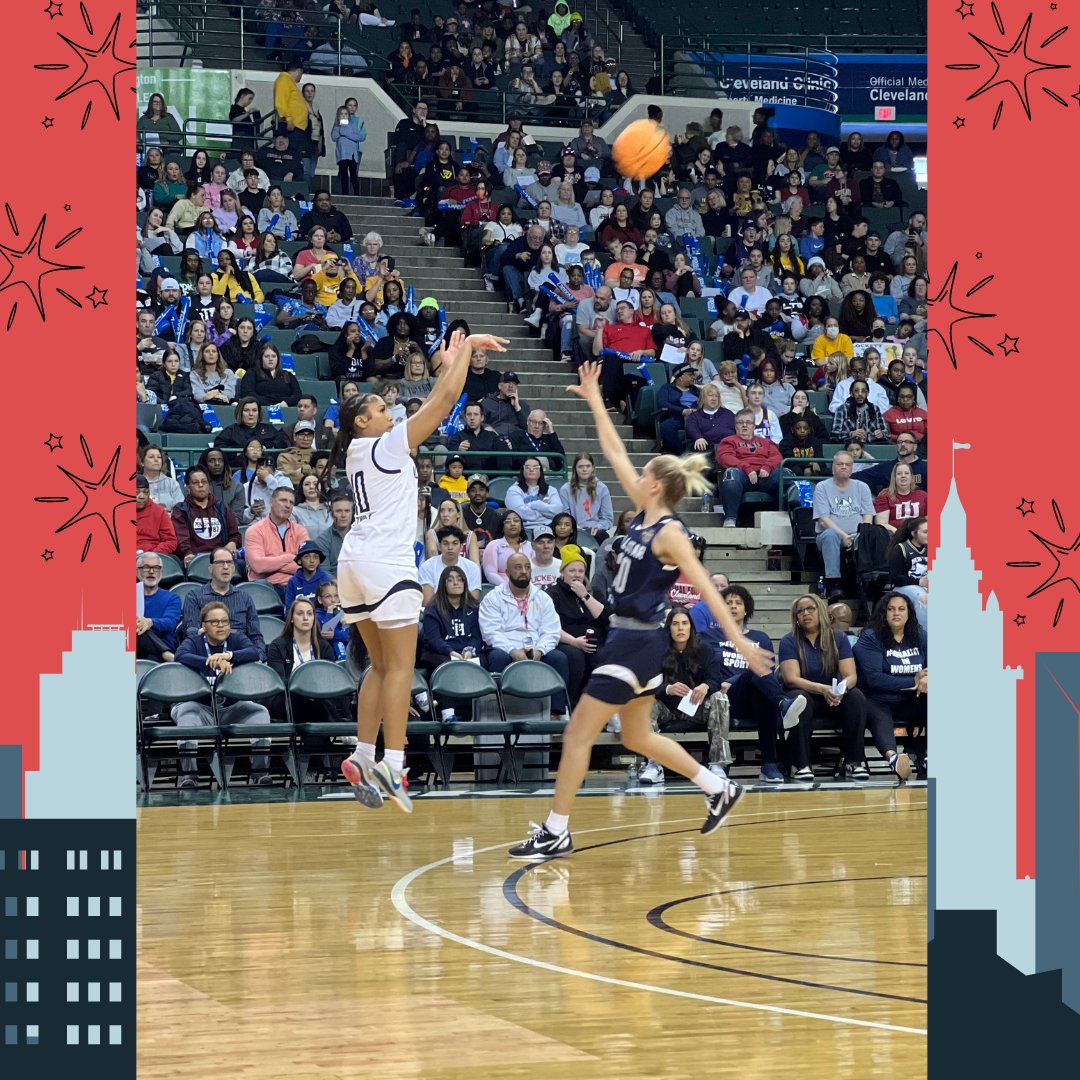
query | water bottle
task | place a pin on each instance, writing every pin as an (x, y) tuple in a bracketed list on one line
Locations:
[(527, 645), (706, 502), (423, 701), (821, 585)]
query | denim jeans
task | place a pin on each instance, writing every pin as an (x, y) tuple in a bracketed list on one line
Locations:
[(735, 485)]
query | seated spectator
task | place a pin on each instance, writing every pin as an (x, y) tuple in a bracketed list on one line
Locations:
[(450, 628), (708, 424), (269, 383), (157, 469), (588, 499), (858, 278), (325, 215), (258, 478), (890, 657), (682, 219), (153, 527), (750, 463), (681, 279), (311, 509), (819, 282), (859, 416), (448, 514), (570, 251), (211, 381), (249, 424), (911, 238), (477, 436), (565, 209), (777, 392), (388, 391), (512, 540), (519, 622), (628, 260), (504, 411), (184, 216), (857, 315), (341, 513), (879, 474), (841, 505), (536, 501), (766, 422), (878, 189), (813, 659), (479, 516), (454, 482), (240, 606), (155, 628), (583, 618), (901, 500), (704, 368), (170, 382), (690, 671), (859, 372), (732, 392), (675, 401), (213, 648), (329, 277), (801, 407), (272, 543), (200, 522), (800, 442), (623, 340), (617, 228), (895, 381), (451, 540), (304, 584), (908, 562), (347, 307), (544, 559), (276, 218), (744, 336), (171, 188)]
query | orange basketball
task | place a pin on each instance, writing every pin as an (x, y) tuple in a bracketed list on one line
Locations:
[(641, 149)]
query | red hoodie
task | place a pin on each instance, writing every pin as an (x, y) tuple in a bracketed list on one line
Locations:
[(154, 530), (749, 455)]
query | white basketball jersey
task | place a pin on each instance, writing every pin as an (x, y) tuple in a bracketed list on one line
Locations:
[(382, 477)]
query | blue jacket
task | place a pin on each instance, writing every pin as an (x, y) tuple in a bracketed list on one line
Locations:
[(341, 631), (192, 652), (887, 673), (303, 586), (163, 610), (669, 401), (347, 139), (460, 631)]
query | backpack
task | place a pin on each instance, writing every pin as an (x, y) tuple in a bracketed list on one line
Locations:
[(185, 418), (871, 554)]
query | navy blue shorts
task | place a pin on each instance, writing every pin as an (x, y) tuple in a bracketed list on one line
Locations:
[(628, 666)]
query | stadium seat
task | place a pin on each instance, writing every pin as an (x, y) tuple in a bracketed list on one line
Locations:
[(255, 682), (168, 685), (321, 680), (270, 626), (462, 681), (172, 570), (265, 597)]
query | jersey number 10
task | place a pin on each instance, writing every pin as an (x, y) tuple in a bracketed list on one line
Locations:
[(622, 572), (360, 495)]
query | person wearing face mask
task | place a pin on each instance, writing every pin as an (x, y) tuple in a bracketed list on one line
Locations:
[(831, 341)]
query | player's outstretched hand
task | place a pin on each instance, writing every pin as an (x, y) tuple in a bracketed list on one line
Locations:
[(760, 661), (589, 384), (459, 348)]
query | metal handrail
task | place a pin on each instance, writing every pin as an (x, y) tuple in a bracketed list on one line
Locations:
[(494, 105), (594, 20)]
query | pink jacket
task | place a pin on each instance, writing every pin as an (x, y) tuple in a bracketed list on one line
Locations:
[(268, 556)]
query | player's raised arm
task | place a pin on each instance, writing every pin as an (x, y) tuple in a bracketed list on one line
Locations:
[(674, 547), (610, 443), (453, 371)]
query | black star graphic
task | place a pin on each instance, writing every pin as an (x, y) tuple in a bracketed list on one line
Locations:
[(1020, 620), (67, 206), (947, 299), (964, 10), (29, 266), (978, 254), (1027, 506), (1076, 97), (1059, 554), (47, 555), (958, 122), (1009, 345), (53, 9), (100, 498), (47, 122), (97, 297), (1053, 7), (100, 66), (53, 442), (1012, 66)]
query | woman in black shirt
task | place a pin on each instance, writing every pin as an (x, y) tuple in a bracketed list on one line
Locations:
[(583, 618)]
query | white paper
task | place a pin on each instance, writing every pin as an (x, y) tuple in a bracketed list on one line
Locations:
[(332, 624), (689, 707), (839, 687), (140, 601), (671, 355)]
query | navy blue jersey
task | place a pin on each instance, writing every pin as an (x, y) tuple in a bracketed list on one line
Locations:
[(641, 582)]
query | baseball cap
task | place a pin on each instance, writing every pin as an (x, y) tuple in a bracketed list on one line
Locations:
[(543, 166), (541, 531), (454, 457), (142, 482), (170, 283), (592, 175), (509, 376), (428, 301), (629, 244), (566, 150), (303, 425), (309, 547), (873, 233), (742, 313), (683, 369), (833, 150), (478, 478)]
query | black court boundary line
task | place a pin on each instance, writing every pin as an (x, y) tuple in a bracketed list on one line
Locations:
[(656, 917), (510, 894)]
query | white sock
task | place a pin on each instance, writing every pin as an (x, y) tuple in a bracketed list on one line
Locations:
[(556, 823), (709, 782), (395, 759), (364, 750)]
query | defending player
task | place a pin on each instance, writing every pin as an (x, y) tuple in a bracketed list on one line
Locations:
[(628, 670), (377, 569)]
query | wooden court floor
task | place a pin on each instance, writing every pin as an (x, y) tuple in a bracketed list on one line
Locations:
[(319, 941)]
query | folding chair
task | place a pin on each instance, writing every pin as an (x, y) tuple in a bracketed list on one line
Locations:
[(256, 683), (466, 681)]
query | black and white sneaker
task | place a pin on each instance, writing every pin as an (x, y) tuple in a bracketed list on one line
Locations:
[(720, 805), (542, 844)]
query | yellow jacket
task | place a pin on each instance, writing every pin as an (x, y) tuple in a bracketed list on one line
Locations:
[(823, 347), (227, 285), (328, 286), (289, 103)]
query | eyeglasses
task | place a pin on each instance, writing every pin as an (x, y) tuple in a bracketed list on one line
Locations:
[(151, 569), (222, 562), (216, 622), (805, 610)]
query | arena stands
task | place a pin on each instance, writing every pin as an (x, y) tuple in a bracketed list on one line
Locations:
[(787, 281)]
